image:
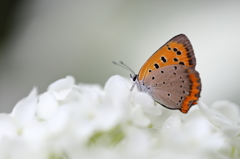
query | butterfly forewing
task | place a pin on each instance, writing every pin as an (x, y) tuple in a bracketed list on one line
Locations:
[(178, 50)]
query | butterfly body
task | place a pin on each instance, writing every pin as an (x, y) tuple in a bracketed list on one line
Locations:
[(169, 75)]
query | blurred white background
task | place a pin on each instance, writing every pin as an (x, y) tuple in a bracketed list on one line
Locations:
[(50, 39)]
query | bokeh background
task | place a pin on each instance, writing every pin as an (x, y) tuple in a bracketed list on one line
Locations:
[(44, 40)]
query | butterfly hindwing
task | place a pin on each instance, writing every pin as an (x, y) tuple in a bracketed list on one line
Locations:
[(174, 86)]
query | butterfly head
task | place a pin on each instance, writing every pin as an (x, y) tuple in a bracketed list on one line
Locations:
[(134, 77)]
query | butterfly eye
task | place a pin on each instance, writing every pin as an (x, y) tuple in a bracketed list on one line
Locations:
[(134, 78)]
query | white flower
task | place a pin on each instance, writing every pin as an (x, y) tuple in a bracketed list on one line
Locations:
[(225, 116), (72, 121)]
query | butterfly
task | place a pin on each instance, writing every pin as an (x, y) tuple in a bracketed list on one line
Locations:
[(169, 75)]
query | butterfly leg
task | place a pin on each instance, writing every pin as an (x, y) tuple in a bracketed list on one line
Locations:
[(133, 86)]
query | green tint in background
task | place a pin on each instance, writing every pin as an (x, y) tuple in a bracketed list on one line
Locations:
[(49, 39)]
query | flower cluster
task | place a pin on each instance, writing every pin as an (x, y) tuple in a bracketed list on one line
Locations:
[(72, 121)]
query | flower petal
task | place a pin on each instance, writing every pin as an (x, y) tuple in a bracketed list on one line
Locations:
[(61, 88), (25, 109), (173, 123), (227, 110), (138, 117), (46, 106), (147, 103), (231, 132), (205, 109), (117, 89), (8, 127)]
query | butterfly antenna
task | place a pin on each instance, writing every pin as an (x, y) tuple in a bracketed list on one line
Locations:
[(123, 65)]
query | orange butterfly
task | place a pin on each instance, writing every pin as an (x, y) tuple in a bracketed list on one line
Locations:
[(169, 75)]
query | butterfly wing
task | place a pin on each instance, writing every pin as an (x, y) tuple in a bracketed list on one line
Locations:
[(178, 50), (174, 86)]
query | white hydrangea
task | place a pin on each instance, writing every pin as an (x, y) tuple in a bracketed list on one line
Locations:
[(72, 121)]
